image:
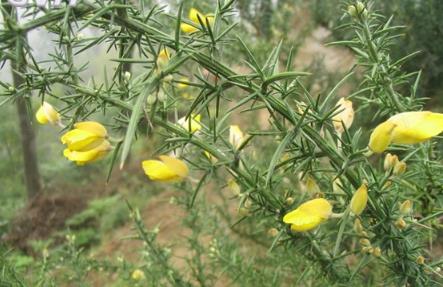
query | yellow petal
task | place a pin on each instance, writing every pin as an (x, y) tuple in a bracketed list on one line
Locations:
[(41, 116), (301, 220), (194, 14), (195, 123), (176, 165), (183, 83), (83, 157), (344, 117), (381, 137), (93, 127), (186, 28), (359, 200), (236, 136), (47, 114), (158, 171), (78, 140), (416, 127), (305, 222), (309, 215), (319, 206)]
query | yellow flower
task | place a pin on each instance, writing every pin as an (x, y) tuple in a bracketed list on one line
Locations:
[(359, 200), (138, 275), (345, 117), (406, 128), (234, 187), (193, 126), (86, 142), (236, 136), (311, 185), (309, 215), (194, 14), (390, 161), (183, 84), (211, 158), (399, 168), (163, 58), (406, 207), (47, 114), (166, 169), (84, 135)]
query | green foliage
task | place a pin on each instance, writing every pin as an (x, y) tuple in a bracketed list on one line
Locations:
[(300, 142)]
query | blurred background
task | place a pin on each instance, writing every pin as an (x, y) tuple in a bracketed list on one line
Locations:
[(78, 200)]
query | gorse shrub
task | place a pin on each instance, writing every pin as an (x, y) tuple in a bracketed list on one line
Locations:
[(342, 200)]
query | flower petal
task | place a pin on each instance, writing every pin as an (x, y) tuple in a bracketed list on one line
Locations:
[(93, 127), (416, 127), (381, 137), (176, 165), (158, 171), (302, 221)]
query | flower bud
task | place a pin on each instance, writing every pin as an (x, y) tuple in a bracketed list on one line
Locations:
[(365, 242), (406, 207), (359, 200), (345, 117), (377, 252), (243, 211), (367, 249), (420, 260), (360, 7), (151, 99), (400, 223), (138, 275), (358, 227), (234, 187), (390, 161), (127, 75), (273, 232), (352, 10), (289, 200), (162, 97), (399, 168)]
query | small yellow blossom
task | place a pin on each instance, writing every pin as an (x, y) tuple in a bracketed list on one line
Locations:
[(311, 185), (194, 14), (183, 84), (420, 260), (166, 169), (365, 242), (236, 136), (400, 223), (192, 126), (272, 232), (406, 128), (86, 142), (406, 207), (359, 200), (289, 200), (209, 156), (390, 161), (47, 114), (138, 275), (358, 227), (234, 187), (399, 168), (309, 215), (163, 58), (345, 117), (377, 252)]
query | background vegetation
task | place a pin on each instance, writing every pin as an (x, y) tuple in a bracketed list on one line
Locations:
[(82, 230)]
